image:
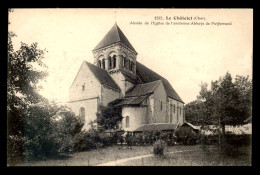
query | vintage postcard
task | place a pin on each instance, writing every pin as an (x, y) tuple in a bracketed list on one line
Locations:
[(129, 87)]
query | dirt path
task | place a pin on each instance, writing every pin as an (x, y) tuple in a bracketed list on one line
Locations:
[(120, 161)]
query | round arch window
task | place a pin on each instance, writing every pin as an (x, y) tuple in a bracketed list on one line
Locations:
[(127, 122), (82, 115)]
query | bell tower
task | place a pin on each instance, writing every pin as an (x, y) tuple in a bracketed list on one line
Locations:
[(114, 53)]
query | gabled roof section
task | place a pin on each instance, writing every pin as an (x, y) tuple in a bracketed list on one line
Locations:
[(132, 100), (147, 75), (142, 89), (115, 35), (102, 75)]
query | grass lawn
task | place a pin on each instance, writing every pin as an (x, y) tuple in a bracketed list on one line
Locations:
[(195, 158), (94, 157), (100, 156)]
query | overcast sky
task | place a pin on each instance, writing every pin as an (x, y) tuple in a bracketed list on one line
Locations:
[(186, 55)]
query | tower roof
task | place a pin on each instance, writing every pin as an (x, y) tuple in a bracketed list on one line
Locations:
[(115, 35)]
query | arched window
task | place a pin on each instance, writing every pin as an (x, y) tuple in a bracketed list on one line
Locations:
[(127, 124), (99, 63), (103, 63), (114, 61), (82, 115), (131, 65), (161, 105), (124, 62), (127, 64), (109, 62)]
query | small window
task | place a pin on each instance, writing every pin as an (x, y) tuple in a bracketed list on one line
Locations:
[(99, 63), (131, 66), (83, 87), (127, 122), (124, 62), (104, 64), (174, 109), (114, 61), (109, 62), (180, 111), (161, 105)]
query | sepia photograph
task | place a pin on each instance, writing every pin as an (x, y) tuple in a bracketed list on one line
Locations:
[(129, 87)]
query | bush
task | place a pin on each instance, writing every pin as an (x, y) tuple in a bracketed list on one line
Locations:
[(15, 149), (237, 140), (80, 141), (148, 138), (187, 136), (159, 148), (169, 138)]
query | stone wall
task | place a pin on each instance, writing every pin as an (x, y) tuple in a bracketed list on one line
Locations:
[(176, 116), (160, 97), (90, 106), (108, 95), (136, 117), (84, 77)]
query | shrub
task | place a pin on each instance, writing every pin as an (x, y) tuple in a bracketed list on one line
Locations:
[(15, 149), (148, 140), (169, 138), (187, 136), (159, 148), (80, 141)]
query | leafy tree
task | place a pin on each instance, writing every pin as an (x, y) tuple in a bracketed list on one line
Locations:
[(194, 112), (109, 117), (66, 126), (22, 79), (226, 103)]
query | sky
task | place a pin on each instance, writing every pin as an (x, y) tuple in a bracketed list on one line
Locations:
[(186, 55)]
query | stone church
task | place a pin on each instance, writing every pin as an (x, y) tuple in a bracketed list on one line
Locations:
[(147, 99)]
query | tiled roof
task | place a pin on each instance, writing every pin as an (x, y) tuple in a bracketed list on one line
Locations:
[(157, 127), (147, 75), (113, 36), (130, 79), (102, 75), (131, 101), (142, 89)]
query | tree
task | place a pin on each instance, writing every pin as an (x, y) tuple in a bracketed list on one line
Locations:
[(66, 126), (194, 112), (227, 103), (22, 79), (109, 116)]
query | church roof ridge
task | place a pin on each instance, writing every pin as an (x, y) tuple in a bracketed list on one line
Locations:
[(147, 75), (114, 35)]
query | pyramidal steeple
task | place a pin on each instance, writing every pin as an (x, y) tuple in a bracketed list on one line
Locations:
[(115, 35)]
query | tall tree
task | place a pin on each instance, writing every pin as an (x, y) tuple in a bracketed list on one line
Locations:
[(227, 103)]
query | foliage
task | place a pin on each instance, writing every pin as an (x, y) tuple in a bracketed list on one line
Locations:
[(169, 138), (66, 127), (194, 112), (22, 79), (227, 102), (186, 135), (159, 148), (29, 114), (108, 117), (15, 148)]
